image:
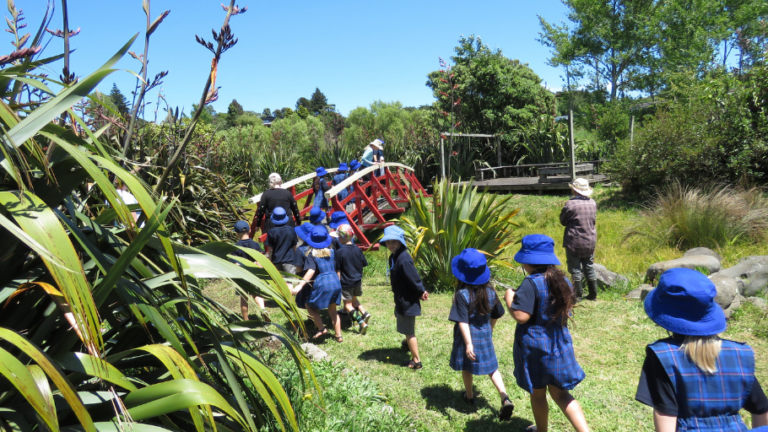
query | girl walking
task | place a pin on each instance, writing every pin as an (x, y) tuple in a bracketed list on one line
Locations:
[(475, 309), (320, 186), (543, 349)]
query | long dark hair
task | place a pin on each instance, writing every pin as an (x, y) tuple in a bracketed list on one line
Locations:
[(478, 297), (316, 184), (560, 293)]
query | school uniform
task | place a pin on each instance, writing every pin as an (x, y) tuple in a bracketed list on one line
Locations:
[(305, 263), (326, 288), (281, 240), (320, 200), (543, 349), (350, 262), (407, 288), (337, 179), (247, 243), (480, 331)]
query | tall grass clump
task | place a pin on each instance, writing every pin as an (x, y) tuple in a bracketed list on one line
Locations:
[(711, 216), (456, 217)]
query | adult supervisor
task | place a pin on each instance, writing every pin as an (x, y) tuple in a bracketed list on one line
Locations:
[(373, 155), (579, 216), (275, 197)]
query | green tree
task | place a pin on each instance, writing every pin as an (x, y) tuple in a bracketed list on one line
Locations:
[(234, 111), (119, 101), (303, 102), (248, 118), (287, 112), (318, 102), (303, 112), (207, 116), (267, 113), (496, 93)]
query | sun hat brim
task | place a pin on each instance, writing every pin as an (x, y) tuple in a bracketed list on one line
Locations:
[(658, 311), (532, 258), (393, 237), (585, 193), (321, 245), (280, 221), (480, 279)]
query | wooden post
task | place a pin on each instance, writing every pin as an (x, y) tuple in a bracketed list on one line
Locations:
[(442, 157), (631, 128), (573, 145), (498, 150)]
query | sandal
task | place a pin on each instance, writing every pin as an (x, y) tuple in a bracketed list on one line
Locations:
[(413, 365), (531, 428), (507, 408), (339, 339), (468, 401), (320, 334)]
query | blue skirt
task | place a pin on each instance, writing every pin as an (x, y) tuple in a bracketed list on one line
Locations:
[(326, 289), (482, 342), (544, 356)]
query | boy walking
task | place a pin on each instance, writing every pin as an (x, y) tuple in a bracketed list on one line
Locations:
[(349, 266), (242, 229), (281, 242), (408, 290), (578, 216)]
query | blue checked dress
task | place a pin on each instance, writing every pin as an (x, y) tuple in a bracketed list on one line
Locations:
[(482, 339), (303, 295), (337, 179), (709, 403), (326, 288), (543, 350), (321, 201)]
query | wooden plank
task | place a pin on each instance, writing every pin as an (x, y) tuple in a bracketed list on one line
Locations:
[(521, 184)]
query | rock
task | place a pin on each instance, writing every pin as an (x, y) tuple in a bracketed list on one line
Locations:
[(644, 291), (607, 278), (313, 352), (759, 302), (737, 301), (727, 289), (703, 251), (708, 263), (751, 274), (639, 293)]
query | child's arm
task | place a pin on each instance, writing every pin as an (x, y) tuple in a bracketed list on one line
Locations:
[(493, 324), (307, 277), (519, 316), (470, 351), (759, 420), (664, 423)]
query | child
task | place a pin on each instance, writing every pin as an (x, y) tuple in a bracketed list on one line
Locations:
[(325, 291), (281, 242), (316, 216), (693, 380), (349, 266), (243, 229), (338, 218), (475, 309), (340, 177), (543, 350), (408, 290), (302, 262), (320, 186)]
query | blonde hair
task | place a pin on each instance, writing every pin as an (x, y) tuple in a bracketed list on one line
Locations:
[(703, 351), (319, 253)]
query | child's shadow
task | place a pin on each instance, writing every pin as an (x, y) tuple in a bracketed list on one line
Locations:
[(384, 355), (442, 397), (493, 424)]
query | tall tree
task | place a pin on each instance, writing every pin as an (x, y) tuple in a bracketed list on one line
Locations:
[(303, 112), (266, 113), (120, 101), (234, 111), (303, 102), (318, 102)]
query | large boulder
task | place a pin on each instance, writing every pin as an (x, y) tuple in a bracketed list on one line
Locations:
[(706, 262), (313, 352), (751, 274), (703, 251), (607, 278), (737, 301), (727, 289)]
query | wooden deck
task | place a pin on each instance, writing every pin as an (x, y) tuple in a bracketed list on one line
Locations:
[(527, 184)]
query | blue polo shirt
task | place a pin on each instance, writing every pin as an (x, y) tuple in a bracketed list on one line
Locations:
[(281, 240)]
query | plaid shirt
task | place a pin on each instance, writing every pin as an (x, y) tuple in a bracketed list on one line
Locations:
[(578, 217)]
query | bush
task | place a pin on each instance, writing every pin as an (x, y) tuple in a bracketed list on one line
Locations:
[(714, 216), (456, 217)]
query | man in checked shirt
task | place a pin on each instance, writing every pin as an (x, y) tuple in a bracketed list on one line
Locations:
[(578, 217)]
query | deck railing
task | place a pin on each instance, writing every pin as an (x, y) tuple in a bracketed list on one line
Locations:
[(528, 170)]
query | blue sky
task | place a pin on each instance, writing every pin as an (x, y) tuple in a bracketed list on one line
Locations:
[(356, 52)]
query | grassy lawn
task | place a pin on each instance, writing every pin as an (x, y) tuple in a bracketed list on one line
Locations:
[(609, 335)]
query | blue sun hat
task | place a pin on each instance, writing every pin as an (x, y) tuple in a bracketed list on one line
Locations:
[(471, 267), (684, 303), (338, 218), (279, 216), (303, 230), (242, 226), (321, 171), (316, 215), (354, 165), (537, 249), (393, 232), (343, 167), (319, 238)]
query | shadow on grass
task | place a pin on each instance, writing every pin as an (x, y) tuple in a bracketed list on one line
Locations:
[(385, 355), (491, 424)]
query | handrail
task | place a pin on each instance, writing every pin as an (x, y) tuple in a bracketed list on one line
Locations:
[(540, 165), (298, 180), (358, 175)]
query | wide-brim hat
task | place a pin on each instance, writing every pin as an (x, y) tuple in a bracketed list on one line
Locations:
[(279, 216), (471, 267), (316, 215), (343, 167), (393, 233), (338, 218), (303, 230), (319, 238), (378, 143), (354, 165), (321, 171), (684, 303), (242, 226), (537, 249), (581, 187)]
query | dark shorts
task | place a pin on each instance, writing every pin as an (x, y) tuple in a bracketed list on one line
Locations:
[(286, 267), (406, 325), (355, 290)]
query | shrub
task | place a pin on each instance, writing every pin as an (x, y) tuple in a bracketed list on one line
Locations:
[(713, 216), (456, 217)]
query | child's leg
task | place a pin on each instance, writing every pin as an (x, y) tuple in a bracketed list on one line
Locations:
[(413, 345), (570, 407), (467, 377), (356, 304), (349, 305), (259, 301), (244, 307), (498, 381), (335, 320), (315, 315), (540, 409)]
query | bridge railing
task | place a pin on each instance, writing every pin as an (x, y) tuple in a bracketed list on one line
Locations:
[(528, 170)]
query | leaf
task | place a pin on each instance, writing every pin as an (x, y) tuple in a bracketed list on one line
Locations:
[(21, 378)]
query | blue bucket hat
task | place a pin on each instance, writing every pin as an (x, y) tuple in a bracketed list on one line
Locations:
[(684, 303), (338, 218), (393, 233), (319, 238), (537, 249), (354, 165), (343, 167), (279, 216), (471, 267), (242, 226), (303, 230), (316, 215), (321, 171)]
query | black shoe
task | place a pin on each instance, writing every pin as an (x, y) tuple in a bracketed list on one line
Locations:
[(592, 285), (507, 408), (468, 401), (578, 290), (366, 317)]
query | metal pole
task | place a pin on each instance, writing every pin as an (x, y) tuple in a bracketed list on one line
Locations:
[(573, 145), (631, 128), (442, 157)]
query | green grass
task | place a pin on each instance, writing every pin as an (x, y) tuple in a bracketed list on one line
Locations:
[(609, 336)]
